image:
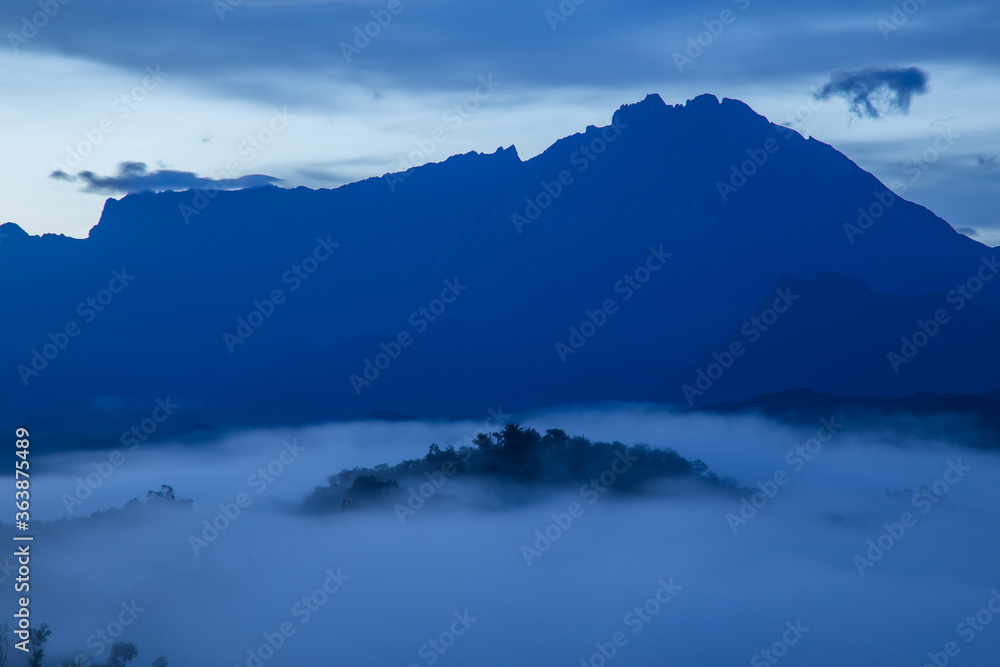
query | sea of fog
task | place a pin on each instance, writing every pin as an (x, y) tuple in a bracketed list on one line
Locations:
[(860, 550)]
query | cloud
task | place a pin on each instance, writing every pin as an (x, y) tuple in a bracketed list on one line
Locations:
[(322, 176), (793, 559), (61, 175), (988, 161), (445, 47), (136, 177), (875, 92)]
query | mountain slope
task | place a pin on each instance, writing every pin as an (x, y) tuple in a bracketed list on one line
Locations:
[(535, 245), (837, 337)]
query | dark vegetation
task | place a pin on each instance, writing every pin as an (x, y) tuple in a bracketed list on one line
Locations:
[(518, 457), (122, 654), (135, 508), (973, 419)]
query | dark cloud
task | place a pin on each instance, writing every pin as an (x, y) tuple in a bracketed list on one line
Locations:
[(136, 177), (874, 91), (988, 161), (61, 175), (282, 53), (968, 231), (446, 46)]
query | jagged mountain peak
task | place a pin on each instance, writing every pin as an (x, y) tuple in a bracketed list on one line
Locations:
[(538, 243)]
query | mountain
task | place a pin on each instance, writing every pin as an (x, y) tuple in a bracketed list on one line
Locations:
[(971, 418), (258, 306), (838, 337)]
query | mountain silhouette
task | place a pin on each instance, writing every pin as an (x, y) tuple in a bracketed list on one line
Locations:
[(684, 218), (837, 337)]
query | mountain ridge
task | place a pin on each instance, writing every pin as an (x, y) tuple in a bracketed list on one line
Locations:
[(603, 199)]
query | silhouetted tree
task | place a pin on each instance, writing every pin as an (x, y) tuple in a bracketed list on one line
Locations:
[(160, 662), (164, 495), (36, 640), (122, 653), (513, 454), (4, 644), (555, 436), (369, 485), (513, 438), (484, 442)]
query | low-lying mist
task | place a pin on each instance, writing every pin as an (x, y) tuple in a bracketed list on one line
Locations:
[(841, 546)]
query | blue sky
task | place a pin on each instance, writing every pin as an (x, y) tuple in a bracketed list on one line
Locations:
[(294, 92)]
